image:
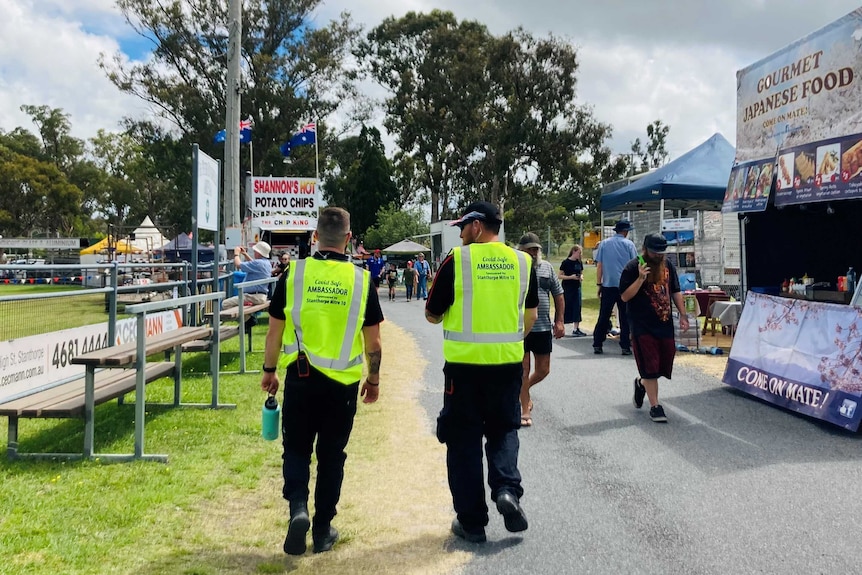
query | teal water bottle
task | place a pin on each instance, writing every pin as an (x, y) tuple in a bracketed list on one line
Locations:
[(270, 418)]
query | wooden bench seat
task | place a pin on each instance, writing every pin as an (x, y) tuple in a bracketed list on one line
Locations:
[(127, 353), (225, 332), (67, 400), (233, 312)]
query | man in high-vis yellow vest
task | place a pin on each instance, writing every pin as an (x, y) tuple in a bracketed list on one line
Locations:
[(485, 294), (323, 314)]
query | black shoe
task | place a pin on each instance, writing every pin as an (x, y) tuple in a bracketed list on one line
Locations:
[(294, 543), (323, 543), (473, 535), (597, 351), (513, 515), (578, 333), (656, 413), (627, 352), (640, 392)]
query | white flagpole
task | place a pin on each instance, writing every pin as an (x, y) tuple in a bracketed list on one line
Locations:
[(316, 158), (251, 156)]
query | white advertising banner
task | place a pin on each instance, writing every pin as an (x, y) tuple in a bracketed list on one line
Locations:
[(798, 122), (285, 222), (807, 92), (37, 362), (268, 195)]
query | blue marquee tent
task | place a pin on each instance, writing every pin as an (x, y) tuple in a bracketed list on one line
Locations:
[(696, 180), (180, 249)]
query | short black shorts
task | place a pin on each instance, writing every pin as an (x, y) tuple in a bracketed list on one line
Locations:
[(377, 281), (539, 342)]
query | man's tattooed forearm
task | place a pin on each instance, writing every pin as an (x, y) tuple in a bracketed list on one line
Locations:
[(374, 361)]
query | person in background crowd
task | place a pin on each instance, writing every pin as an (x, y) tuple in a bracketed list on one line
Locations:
[(423, 274), (257, 268), (283, 264), (648, 287), (485, 294), (377, 267), (391, 280), (612, 256), (539, 341), (571, 273), (409, 276), (323, 337)]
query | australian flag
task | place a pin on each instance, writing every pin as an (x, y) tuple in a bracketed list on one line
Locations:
[(307, 135), (244, 133)]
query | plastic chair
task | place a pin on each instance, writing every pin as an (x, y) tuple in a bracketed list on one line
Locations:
[(710, 321)]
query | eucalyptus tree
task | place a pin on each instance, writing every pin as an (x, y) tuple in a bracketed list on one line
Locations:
[(475, 114), (362, 179), (293, 71)]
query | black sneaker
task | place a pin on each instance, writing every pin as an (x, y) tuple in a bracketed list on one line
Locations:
[(513, 516), (473, 535), (323, 543), (578, 333), (294, 543), (640, 392), (656, 413), (627, 352), (597, 351)]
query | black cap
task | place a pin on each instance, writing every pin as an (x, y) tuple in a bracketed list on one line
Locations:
[(529, 240), (656, 243), (622, 226), (482, 211)]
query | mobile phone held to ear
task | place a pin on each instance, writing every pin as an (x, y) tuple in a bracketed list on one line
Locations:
[(641, 260)]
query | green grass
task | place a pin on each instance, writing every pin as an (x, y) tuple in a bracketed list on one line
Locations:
[(96, 517), (216, 506), (35, 317)]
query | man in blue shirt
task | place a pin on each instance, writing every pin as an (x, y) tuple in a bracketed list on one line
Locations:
[(257, 268), (376, 265), (423, 271), (611, 257)]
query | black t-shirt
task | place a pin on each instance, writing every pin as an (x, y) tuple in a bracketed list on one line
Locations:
[(571, 267), (442, 296), (373, 311), (392, 277), (651, 310)]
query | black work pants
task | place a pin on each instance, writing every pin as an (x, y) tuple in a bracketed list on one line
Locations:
[(321, 408), (480, 401), (611, 298)]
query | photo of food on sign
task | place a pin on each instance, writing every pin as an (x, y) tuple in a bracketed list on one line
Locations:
[(751, 182), (804, 168), (764, 182), (828, 166), (851, 161), (785, 171), (739, 184)]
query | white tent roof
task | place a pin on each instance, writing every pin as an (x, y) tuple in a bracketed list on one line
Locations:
[(148, 237), (406, 247)]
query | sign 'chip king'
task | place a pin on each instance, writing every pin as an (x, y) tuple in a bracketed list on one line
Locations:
[(267, 195)]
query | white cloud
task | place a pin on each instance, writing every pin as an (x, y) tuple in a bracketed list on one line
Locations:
[(49, 59), (674, 60)]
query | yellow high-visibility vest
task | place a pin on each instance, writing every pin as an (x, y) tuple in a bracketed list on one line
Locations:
[(485, 324), (324, 311)]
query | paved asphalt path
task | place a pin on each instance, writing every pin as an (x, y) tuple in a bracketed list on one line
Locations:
[(729, 485)]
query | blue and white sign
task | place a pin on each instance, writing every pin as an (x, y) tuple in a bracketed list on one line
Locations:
[(207, 181)]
